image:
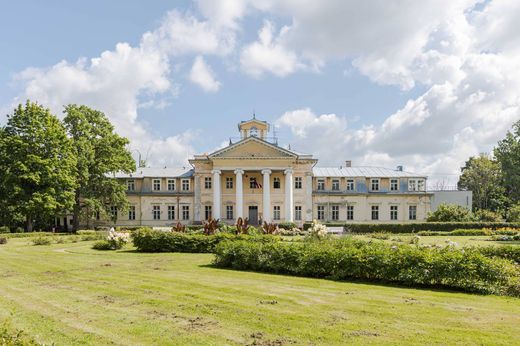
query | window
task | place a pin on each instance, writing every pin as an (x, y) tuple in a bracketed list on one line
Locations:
[(207, 183), (185, 185), (130, 185), (253, 132), (375, 212), (171, 184), (229, 212), (416, 185), (334, 212), (350, 184), (171, 212), (253, 184), (335, 184), (298, 182), (374, 184), (276, 212), (393, 212), (156, 212), (321, 184), (412, 212), (229, 182), (298, 212), (321, 212), (131, 212), (157, 184), (276, 183), (185, 212), (113, 212), (207, 212), (350, 212), (394, 184)]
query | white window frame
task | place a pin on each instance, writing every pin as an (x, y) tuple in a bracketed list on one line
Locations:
[(298, 182), (394, 184), (374, 212), (375, 184), (171, 184), (207, 183), (350, 212), (335, 184), (171, 212), (229, 182), (113, 212), (156, 184), (156, 212), (394, 212), (185, 184), (277, 212), (185, 212), (229, 212), (320, 211), (276, 183), (208, 212), (350, 185), (130, 185), (412, 212), (320, 185), (131, 212), (298, 212), (334, 212)]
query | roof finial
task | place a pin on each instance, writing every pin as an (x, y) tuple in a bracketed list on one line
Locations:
[(230, 141), (289, 146), (254, 115)]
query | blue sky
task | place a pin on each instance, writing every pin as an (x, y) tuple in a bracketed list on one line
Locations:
[(382, 84)]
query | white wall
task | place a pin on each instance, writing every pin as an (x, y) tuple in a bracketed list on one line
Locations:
[(462, 198)]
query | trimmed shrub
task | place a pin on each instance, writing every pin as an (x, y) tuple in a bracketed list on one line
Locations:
[(343, 259), (487, 216), (418, 226), (509, 252), (42, 240), (88, 235), (450, 213), (287, 225), (102, 245), (3, 240), (148, 240), (4, 229)]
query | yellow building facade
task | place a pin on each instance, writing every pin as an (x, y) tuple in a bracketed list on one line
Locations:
[(255, 178)]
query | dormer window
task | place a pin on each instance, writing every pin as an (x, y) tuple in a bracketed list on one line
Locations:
[(253, 132)]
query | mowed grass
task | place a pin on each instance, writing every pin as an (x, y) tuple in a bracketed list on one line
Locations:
[(69, 294)]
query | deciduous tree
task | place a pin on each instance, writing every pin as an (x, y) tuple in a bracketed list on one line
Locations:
[(508, 155), (100, 154)]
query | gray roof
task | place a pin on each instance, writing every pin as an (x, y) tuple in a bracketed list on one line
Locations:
[(375, 172), (165, 172)]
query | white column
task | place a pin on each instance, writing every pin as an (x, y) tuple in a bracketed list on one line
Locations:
[(289, 204), (239, 193), (308, 197), (216, 193), (197, 198), (267, 195)]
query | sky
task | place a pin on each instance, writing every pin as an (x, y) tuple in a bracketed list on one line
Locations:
[(423, 84)]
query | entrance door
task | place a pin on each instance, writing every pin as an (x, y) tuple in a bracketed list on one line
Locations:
[(253, 215)]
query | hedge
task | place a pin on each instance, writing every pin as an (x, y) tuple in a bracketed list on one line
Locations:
[(418, 226), (510, 252), (343, 259), (148, 240)]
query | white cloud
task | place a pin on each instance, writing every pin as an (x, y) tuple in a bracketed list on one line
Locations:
[(268, 55), (202, 75)]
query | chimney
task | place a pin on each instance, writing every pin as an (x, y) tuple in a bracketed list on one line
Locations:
[(400, 168), (348, 163)]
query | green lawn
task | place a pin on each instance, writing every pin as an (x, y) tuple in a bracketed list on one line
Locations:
[(441, 240), (70, 294)]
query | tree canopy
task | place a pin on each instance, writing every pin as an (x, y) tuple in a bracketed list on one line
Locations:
[(508, 155)]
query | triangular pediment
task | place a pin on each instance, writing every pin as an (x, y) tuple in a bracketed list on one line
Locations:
[(253, 148)]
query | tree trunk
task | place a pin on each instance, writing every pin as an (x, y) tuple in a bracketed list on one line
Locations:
[(29, 223), (76, 212)]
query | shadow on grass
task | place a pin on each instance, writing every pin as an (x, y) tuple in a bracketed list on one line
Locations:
[(364, 282)]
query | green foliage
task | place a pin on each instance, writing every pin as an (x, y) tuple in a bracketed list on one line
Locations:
[(450, 213), (102, 245), (513, 214), (487, 216), (37, 165), (345, 259), (420, 226), (4, 229), (10, 336), (86, 235), (148, 240), (287, 225), (42, 240), (483, 176), (100, 152), (509, 252), (459, 232), (19, 230), (508, 155)]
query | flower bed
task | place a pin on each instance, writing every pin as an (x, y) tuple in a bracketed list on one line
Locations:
[(466, 269)]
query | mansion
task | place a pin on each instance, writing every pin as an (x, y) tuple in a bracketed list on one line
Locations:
[(255, 178)]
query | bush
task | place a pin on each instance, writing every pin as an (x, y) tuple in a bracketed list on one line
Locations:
[(419, 226), (342, 259), (4, 229), (287, 225), (3, 240), (450, 213), (513, 215), (509, 252), (19, 230), (148, 240), (102, 245), (40, 240), (88, 235), (487, 216)]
